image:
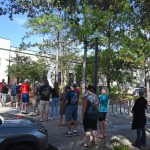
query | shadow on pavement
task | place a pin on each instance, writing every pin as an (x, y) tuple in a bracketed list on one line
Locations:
[(51, 147)]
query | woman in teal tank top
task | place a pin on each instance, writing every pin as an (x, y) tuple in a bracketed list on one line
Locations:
[(103, 109)]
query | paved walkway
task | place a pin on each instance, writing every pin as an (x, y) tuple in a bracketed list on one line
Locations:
[(118, 127)]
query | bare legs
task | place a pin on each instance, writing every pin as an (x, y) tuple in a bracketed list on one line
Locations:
[(44, 115), (24, 107), (95, 137), (88, 138), (60, 120), (41, 115), (102, 126)]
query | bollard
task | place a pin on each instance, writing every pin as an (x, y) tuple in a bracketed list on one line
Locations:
[(128, 107), (120, 108), (116, 108), (124, 108), (112, 109)]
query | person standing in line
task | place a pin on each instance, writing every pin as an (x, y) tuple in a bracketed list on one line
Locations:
[(71, 110), (1, 85), (62, 109), (89, 115), (55, 101), (25, 88), (36, 97), (4, 92), (45, 93), (103, 109), (13, 93), (18, 94), (139, 120)]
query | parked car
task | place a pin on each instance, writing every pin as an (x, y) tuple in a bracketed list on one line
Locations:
[(20, 133)]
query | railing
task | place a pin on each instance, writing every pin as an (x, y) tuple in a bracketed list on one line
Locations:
[(122, 108)]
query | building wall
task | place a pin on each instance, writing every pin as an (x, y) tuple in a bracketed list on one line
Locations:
[(4, 58), (6, 53)]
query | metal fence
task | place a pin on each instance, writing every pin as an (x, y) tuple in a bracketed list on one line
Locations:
[(122, 107)]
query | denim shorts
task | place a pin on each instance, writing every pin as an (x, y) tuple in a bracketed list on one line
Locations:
[(71, 112), (25, 98)]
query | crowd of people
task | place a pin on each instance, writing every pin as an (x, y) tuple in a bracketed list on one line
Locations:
[(94, 108)]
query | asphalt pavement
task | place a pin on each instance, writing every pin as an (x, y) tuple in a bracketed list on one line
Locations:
[(118, 128)]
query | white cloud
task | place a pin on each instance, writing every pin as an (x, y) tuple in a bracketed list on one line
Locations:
[(20, 21)]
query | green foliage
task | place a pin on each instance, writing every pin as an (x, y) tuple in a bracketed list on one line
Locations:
[(121, 147), (23, 67), (123, 27)]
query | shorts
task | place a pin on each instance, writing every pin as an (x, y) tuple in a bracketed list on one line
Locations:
[(36, 101), (18, 97), (25, 98), (44, 106), (89, 124), (102, 116), (71, 112)]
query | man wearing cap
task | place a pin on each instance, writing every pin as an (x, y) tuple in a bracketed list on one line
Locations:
[(25, 88)]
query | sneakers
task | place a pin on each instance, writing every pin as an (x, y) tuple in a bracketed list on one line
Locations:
[(68, 134), (75, 132)]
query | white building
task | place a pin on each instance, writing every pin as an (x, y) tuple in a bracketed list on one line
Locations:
[(6, 53)]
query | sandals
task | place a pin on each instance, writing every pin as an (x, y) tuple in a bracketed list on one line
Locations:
[(86, 145), (101, 136)]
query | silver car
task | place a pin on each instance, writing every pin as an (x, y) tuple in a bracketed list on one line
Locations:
[(20, 133)]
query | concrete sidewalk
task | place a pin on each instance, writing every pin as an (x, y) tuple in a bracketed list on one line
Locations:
[(118, 127)]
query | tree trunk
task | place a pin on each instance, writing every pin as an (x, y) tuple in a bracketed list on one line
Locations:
[(108, 62), (57, 60), (108, 81), (84, 66)]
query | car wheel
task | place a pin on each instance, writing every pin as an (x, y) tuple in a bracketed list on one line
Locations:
[(20, 147)]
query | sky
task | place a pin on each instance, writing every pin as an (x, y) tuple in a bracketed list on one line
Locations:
[(13, 30)]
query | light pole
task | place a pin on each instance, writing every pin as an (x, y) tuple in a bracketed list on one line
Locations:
[(96, 36)]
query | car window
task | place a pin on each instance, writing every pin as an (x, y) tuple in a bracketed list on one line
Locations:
[(1, 120)]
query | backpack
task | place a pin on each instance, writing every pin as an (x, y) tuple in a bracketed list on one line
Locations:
[(73, 98), (4, 89), (13, 90), (92, 105)]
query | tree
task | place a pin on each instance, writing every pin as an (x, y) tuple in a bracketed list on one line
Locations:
[(119, 22), (23, 67), (120, 71)]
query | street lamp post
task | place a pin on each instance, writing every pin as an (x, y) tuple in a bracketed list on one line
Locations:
[(96, 36)]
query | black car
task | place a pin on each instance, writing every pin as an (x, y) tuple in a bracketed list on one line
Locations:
[(20, 133)]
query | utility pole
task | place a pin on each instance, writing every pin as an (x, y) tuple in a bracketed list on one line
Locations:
[(57, 58), (96, 65), (96, 36)]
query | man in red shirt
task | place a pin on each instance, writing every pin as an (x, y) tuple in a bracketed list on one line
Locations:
[(25, 88)]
